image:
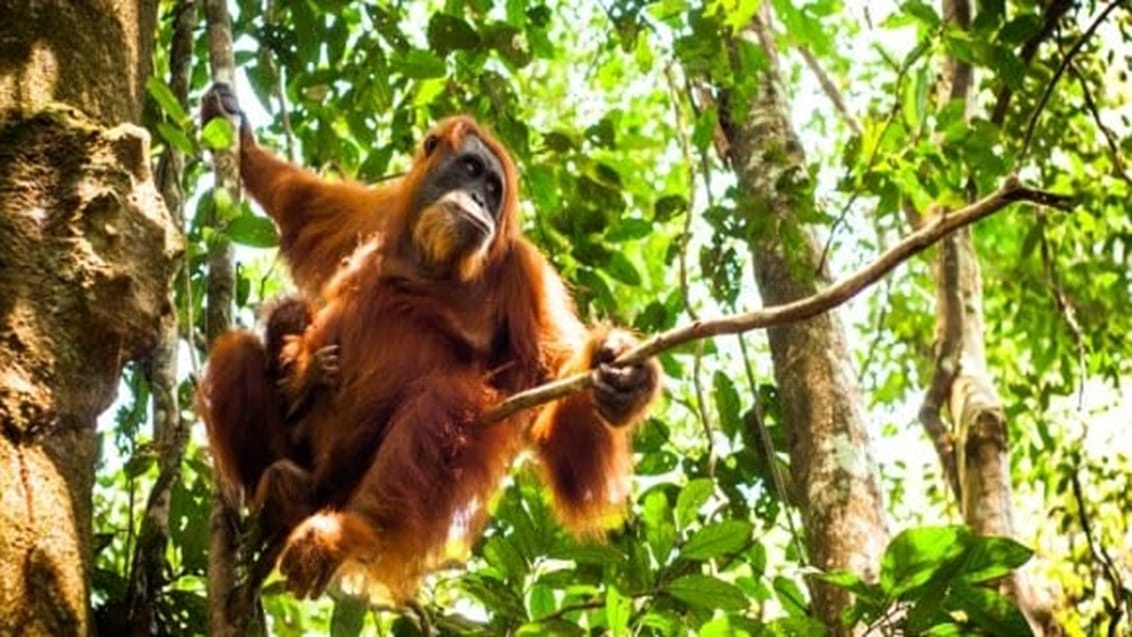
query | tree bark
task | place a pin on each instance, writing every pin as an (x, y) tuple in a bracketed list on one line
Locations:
[(962, 385), (830, 454), (86, 254), (148, 572)]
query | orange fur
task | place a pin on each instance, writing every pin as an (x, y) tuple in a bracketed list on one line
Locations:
[(398, 459)]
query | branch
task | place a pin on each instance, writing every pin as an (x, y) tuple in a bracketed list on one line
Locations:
[(1073, 50), (1053, 14), (830, 89), (931, 232)]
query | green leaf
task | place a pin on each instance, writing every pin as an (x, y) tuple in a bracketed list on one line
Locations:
[(922, 11), (791, 597), (629, 229), (992, 557), (218, 134), (419, 64), (693, 496), (849, 581), (349, 616), (668, 205), (726, 403), (495, 595), (168, 102), (1020, 29), (540, 602), (988, 610), (176, 138), (708, 592), (618, 609), (623, 270), (659, 529), (914, 556), (447, 32), (501, 553), (251, 230), (721, 538), (591, 554)]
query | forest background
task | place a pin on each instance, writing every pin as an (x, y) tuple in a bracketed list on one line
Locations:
[(882, 468)]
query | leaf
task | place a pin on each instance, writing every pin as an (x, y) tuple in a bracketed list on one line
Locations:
[(168, 102), (992, 557), (693, 496), (495, 595), (447, 33), (540, 602), (659, 529), (623, 270), (252, 230), (591, 554), (847, 580), (1019, 29), (914, 556), (176, 138), (628, 230), (721, 538), (419, 64), (922, 11), (618, 608), (218, 134), (349, 616), (707, 592), (988, 610), (791, 597), (726, 403), (501, 553), (668, 205)]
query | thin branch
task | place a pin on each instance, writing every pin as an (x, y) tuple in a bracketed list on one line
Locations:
[(148, 573), (230, 611), (279, 86), (685, 241), (1073, 50), (948, 350), (901, 74), (1053, 14), (1112, 574), (1109, 135), (830, 89), (931, 232)]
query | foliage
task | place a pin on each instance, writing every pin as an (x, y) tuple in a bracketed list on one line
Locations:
[(626, 194), (929, 578)]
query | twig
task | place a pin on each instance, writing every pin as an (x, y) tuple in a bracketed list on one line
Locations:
[(830, 89), (1054, 12), (902, 72), (230, 610), (1112, 574), (685, 241), (1073, 50), (929, 233), (422, 617), (1109, 135), (279, 88)]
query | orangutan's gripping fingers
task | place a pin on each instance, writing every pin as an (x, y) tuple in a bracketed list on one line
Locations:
[(220, 101), (325, 366), (619, 393)]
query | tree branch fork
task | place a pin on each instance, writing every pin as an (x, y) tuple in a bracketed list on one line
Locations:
[(931, 232)]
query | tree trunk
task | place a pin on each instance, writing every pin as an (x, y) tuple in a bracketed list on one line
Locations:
[(975, 452), (86, 253), (830, 453)]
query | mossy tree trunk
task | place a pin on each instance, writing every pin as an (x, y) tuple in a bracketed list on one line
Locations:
[(86, 254), (834, 473)]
